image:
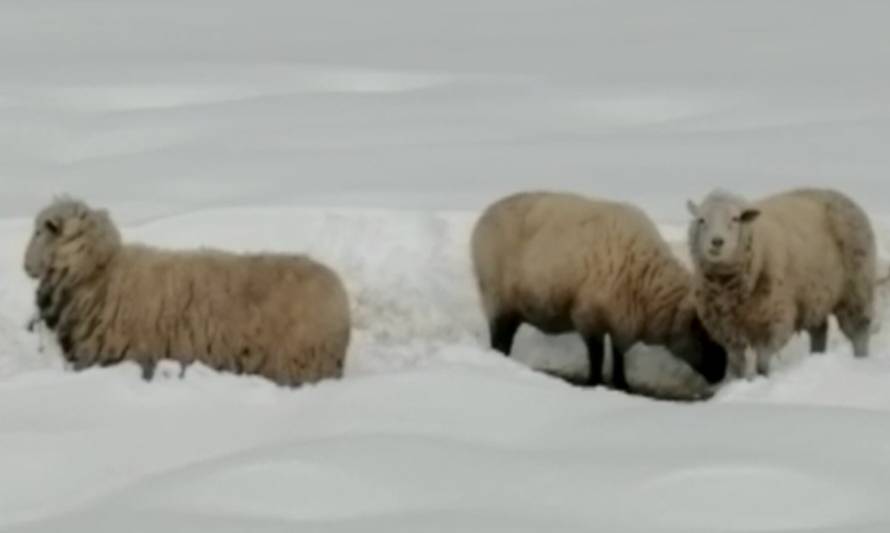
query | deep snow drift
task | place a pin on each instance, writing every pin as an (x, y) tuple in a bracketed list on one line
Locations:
[(429, 431), (369, 134)]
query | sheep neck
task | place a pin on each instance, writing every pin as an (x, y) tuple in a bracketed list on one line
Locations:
[(666, 290), (61, 285)]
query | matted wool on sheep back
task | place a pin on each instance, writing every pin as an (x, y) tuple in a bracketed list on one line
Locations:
[(784, 264), (284, 317), (563, 262)]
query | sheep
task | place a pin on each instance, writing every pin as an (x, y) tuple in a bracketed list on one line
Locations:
[(563, 262), (284, 317), (782, 265)]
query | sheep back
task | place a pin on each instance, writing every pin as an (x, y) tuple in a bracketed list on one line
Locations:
[(824, 249)]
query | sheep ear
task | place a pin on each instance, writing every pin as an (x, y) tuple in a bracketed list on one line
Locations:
[(749, 215), (52, 226), (693, 209)]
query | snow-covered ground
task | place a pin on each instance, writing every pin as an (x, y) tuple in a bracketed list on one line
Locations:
[(369, 134)]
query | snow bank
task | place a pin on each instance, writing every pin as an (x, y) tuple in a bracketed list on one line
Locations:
[(430, 431)]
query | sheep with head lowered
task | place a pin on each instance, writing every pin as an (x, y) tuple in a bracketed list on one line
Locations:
[(782, 265), (284, 317), (563, 262)]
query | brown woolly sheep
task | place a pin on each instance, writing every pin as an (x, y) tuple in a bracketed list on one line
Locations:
[(563, 262), (285, 317), (782, 265)]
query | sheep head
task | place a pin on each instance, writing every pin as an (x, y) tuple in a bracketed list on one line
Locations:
[(70, 236), (692, 342), (721, 230)]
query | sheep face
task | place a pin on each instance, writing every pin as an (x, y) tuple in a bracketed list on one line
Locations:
[(69, 234), (721, 229), (38, 256)]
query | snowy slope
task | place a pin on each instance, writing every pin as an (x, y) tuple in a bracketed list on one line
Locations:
[(438, 104), (369, 134)]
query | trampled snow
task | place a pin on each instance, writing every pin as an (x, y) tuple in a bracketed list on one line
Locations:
[(369, 134)]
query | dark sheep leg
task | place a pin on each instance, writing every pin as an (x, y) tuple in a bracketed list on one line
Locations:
[(502, 330), (595, 350), (819, 338), (619, 379)]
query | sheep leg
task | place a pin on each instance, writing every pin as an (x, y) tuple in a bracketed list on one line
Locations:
[(736, 363), (148, 369), (763, 361), (502, 330), (742, 362), (41, 340), (860, 342), (595, 350), (619, 379), (36, 325), (819, 338), (857, 328), (751, 360)]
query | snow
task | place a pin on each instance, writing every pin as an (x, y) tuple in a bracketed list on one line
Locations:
[(369, 135)]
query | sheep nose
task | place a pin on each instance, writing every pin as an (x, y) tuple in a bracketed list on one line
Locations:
[(717, 242)]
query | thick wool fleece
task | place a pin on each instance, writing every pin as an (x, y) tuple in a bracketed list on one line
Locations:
[(809, 254), (563, 262), (285, 317)]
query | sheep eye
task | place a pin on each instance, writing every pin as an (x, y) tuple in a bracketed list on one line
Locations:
[(51, 227), (701, 221)]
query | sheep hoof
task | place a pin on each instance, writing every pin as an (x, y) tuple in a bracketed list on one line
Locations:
[(148, 370)]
